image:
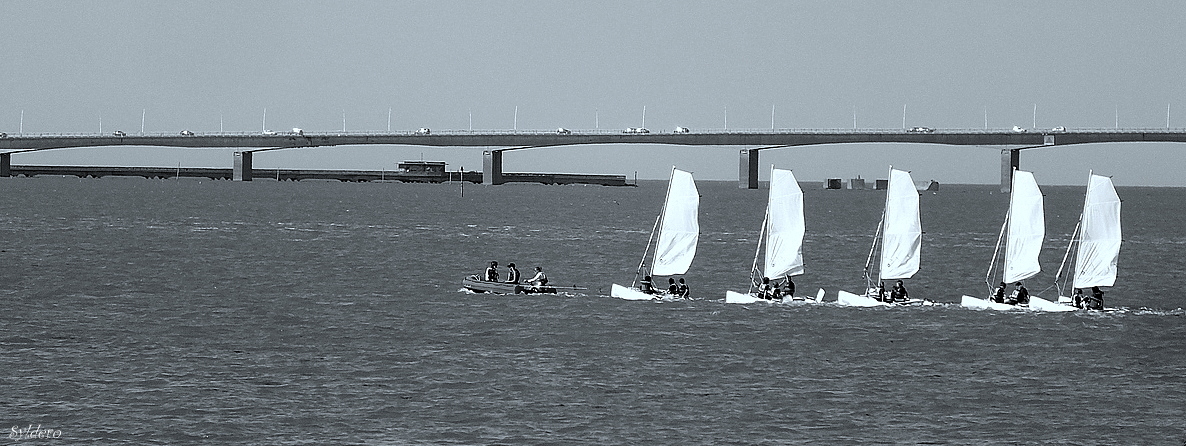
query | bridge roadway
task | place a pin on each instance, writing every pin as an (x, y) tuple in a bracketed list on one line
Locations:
[(1011, 142)]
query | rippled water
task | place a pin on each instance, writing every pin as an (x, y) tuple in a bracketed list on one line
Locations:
[(177, 312)]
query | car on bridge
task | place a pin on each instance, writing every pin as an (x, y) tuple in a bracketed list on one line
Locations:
[(563, 131), (1059, 129), (681, 130), (187, 133), (1019, 129), (269, 132), (119, 133), (298, 131), (636, 130), (921, 130), (3, 135), (423, 131)]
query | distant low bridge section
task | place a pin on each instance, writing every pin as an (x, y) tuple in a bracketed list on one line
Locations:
[(1011, 142)]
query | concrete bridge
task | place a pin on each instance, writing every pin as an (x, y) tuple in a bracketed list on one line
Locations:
[(1011, 143)]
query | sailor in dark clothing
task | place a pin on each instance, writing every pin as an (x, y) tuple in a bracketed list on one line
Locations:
[(1077, 298), (788, 288), (682, 289), (899, 293), (512, 273), (1021, 296), (764, 291), (672, 288), (1096, 300), (882, 295), (998, 295), (492, 272), (646, 285)]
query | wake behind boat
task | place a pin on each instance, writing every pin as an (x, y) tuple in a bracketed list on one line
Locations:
[(679, 230)]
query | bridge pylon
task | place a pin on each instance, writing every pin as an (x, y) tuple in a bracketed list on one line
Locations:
[(1010, 161), (5, 164), (242, 169), (747, 169), (492, 167)]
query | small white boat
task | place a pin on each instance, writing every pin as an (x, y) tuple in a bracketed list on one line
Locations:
[(1040, 304), (782, 235), (900, 235), (1022, 232), (985, 304), (679, 230), (733, 297), (1099, 239)]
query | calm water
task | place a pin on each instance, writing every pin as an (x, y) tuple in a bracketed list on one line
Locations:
[(199, 312)]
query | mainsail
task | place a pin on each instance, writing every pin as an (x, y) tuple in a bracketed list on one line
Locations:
[(784, 226), (1027, 228), (1099, 245), (901, 243), (680, 229)]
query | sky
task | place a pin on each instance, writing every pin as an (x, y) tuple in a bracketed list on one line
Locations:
[(206, 66)]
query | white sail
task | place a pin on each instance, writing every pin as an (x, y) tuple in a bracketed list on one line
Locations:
[(1099, 245), (901, 242), (680, 229), (1027, 228), (784, 226)]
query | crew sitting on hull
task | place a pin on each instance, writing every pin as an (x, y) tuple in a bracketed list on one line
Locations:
[(682, 290), (1096, 300), (788, 288), (765, 291), (492, 272), (1077, 298), (1020, 296), (672, 288), (512, 273), (539, 279), (899, 293), (998, 295), (647, 286)]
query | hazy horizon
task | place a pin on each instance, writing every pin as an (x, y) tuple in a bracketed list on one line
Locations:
[(211, 66)]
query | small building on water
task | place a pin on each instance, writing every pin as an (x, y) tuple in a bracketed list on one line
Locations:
[(427, 169)]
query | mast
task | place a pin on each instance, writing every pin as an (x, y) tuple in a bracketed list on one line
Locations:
[(761, 236), (654, 229), (1078, 225), (996, 251)]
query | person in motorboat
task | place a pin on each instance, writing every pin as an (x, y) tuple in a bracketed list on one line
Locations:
[(899, 293), (764, 290), (1077, 298), (540, 279), (682, 290), (1096, 300), (647, 286), (512, 273), (998, 295), (672, 288), (492, 272)]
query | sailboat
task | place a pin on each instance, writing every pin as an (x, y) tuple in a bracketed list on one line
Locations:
[(1099, 243), (678, 229), (1023, 230), (782, 233), (900, 232)]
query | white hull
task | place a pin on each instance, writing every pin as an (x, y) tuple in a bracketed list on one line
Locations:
[(852, 300), (627, 293), (1040, 304), (733, 297), (984, 304)]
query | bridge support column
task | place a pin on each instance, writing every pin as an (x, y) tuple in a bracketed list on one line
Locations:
[(242, 169), (492, 167), (1010, 160), (747, 169), (5, 164)]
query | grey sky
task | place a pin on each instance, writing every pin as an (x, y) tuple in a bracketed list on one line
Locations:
[(577, 65)]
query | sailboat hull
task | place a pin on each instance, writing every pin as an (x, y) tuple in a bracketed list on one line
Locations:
[(628, 293), (733, 297), (853, 300), (1040, 304), (984, 304)]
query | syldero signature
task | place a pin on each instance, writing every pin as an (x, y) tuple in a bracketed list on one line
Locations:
[(29, 433)]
